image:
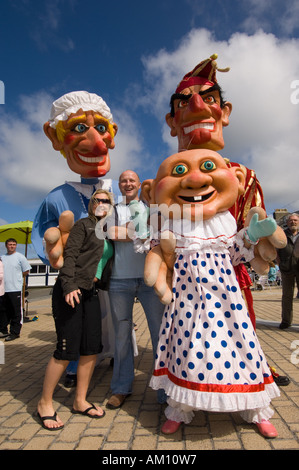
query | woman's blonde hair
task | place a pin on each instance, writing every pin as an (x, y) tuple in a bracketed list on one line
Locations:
[(91, 202)]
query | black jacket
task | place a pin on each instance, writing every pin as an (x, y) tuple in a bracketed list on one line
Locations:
[(82, 254), (287, 261)]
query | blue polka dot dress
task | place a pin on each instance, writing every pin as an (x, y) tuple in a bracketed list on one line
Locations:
[(208, 356)]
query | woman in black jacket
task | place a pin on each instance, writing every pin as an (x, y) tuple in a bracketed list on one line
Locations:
[(76, 311)]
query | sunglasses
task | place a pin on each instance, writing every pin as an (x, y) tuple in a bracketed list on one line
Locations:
[(103, 201)]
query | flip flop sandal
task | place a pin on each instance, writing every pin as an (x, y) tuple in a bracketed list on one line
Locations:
[(86, 412), (49, 418)]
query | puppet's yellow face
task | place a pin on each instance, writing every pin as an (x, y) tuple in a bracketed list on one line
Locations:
[(197, 181), (86, 138)]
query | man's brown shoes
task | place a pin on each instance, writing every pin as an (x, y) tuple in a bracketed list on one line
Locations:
[(116, 401)]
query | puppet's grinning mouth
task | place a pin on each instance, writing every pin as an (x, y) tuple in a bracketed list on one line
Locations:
[(203, 125), (196, 198)]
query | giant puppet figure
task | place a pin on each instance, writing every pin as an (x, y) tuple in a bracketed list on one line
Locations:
[(81, 127), (208, 356), (197, 117)]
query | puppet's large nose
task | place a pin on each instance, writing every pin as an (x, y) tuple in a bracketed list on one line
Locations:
[(196, 103), (196, 179), (94, 143)]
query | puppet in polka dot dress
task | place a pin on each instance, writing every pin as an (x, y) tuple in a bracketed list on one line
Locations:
[(208, 357)]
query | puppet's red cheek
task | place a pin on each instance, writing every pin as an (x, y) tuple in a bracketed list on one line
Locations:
[(161, 189), (69, 138), (166, 190), (160, 185), (217, 111)]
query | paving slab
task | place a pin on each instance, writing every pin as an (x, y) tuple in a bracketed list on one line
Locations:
[(137, 425)]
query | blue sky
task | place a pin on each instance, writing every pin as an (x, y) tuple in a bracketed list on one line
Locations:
[(133, 54)]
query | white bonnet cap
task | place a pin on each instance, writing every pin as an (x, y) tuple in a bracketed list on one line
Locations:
[(72, 102)]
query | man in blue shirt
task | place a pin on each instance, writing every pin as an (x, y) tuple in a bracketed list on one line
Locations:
[(126, 284), (16, 267)]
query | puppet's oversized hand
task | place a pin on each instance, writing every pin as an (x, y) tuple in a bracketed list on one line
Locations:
[(270, 240), (260, 228), (56, 238), (158, 268)]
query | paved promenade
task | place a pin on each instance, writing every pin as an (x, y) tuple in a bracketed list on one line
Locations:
[(136, 426)]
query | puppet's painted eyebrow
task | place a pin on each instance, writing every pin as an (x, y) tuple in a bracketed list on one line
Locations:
[(101, 118), (181, 96), (76, 119), (209, 90)]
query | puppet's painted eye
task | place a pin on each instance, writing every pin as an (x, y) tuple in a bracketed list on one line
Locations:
[(209, 99), (80, 128), (208, 165), (183, 103), (101, 128), (179, 170)]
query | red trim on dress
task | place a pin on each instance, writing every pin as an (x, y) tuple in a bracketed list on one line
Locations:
[(214, 388)]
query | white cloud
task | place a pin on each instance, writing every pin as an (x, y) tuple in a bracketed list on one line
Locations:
[(128, 145), (263, 130), (270, 14), (28, 163)]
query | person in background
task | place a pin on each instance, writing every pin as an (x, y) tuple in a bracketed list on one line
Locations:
[(16, 268), (272, 274), (288, 260), (3, 333), (77, 313)]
